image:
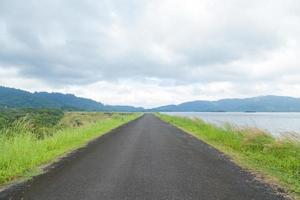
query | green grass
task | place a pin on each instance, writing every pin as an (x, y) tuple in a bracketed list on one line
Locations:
[(22, 152), (278, 159), (40, 118), (77, 119)]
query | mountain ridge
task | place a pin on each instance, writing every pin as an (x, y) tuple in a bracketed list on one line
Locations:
[(267, 103), (17, 98)]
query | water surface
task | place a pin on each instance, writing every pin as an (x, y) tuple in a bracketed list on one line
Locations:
[(275, 123)]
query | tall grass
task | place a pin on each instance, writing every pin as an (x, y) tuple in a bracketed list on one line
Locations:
[(21, 151), (252, 148)]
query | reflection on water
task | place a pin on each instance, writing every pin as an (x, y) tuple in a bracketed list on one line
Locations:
[(275, 123)]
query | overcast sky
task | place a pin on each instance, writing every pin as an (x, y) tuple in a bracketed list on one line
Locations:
[(151, 52)]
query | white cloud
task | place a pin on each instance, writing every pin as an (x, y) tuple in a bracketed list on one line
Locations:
[(154, 52)]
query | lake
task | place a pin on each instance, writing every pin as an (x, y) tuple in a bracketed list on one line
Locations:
[(275, 123)]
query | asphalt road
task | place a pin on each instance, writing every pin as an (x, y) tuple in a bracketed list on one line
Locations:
[(145, 159)]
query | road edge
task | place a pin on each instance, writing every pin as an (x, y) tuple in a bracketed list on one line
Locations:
[(17, 186), (258, 175)]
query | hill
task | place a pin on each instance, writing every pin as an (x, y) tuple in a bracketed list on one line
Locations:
[(15, 98), (254, 104)]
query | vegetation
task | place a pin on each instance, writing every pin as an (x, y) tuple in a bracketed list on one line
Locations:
[(40, 121), (15, 98), (29, 139), (251, 148), (254, 104)]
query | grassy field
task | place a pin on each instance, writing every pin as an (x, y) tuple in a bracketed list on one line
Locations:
[(31, 139), (277, 159)]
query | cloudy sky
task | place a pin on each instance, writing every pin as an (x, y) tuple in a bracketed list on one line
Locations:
[(151, 52)]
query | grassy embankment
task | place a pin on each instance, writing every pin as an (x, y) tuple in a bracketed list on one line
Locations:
[(276, 158), (30, 140)]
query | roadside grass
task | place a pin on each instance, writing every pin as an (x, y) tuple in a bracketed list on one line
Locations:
[(276, 158), (42, 121), (77, 119), (22, 152)]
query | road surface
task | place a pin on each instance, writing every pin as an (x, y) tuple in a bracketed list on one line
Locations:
[(146, 159)]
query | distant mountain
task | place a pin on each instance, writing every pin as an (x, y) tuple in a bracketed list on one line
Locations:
[(15, 98), (255, 104)]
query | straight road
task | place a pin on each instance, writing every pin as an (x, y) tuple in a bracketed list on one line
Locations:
[(146, 159)]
